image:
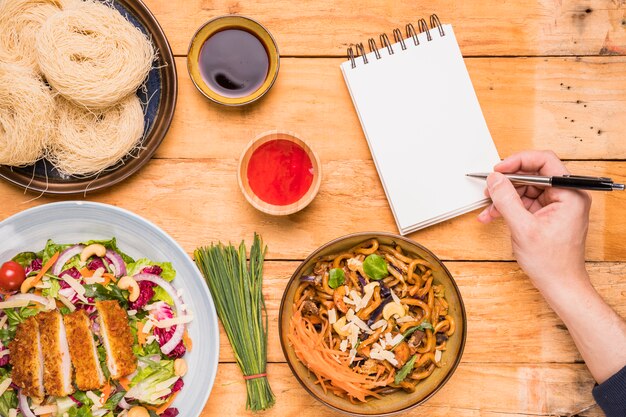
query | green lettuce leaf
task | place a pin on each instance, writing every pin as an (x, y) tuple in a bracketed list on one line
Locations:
[(50, 249), (25, 258), (405, 370), (161, 295), (110, 292), (168, 274), (53, 291), (83, 411), (150, 373), (8, 400)]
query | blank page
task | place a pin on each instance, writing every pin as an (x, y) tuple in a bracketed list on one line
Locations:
[(424, 127)]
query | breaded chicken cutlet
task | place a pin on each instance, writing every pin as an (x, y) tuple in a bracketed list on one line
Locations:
[(27, 359), (57, 375), (88, 374), (117, 338)]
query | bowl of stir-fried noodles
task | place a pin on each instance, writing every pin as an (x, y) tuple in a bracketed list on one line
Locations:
[(372, 324)]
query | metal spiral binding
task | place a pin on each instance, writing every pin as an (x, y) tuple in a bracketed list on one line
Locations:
[(358, 50)]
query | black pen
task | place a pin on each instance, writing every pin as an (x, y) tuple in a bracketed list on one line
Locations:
[(566, 181)]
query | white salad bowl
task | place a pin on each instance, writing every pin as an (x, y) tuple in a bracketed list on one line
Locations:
[(75, 221)]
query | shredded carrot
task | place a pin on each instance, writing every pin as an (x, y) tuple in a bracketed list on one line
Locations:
[(187, 341), (125, 383), (167, 404), (327, 363), (108, 278), (45, 269), (141, 336), (86, 272), (106, 392)]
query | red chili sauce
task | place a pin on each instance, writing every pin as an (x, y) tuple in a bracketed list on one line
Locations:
[(280, 172)]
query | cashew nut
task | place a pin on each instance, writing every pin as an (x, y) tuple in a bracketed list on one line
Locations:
[(338, 326), (95, 249), (138, 411), (27, 284), (180, 367), (128, 283), (392, 309)]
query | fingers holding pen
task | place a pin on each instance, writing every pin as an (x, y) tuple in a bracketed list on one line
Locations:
[(532, 162)]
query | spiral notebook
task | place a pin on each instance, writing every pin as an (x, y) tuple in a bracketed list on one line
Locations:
[(423, 123)]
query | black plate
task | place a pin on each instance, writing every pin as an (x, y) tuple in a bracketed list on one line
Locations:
[(159, 91)]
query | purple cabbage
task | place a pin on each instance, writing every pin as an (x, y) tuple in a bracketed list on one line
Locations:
[(153, 269), (72, 272), (307, 278), (170, 412), (178, 385), (384, 290), (4, 361), (35, 265), (164, 335), (362, 280), (379, 310), (146, 292), (95, 264)]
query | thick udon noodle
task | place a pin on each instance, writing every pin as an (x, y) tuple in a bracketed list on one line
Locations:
[(318, 345)]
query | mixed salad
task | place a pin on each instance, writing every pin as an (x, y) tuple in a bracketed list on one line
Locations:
[(124, 300)]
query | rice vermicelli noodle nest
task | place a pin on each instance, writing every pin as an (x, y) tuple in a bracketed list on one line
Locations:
[(26, 115), (88, 142), (92, 55), (20, 21)]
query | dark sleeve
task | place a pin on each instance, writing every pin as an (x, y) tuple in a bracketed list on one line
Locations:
[(611, 395)]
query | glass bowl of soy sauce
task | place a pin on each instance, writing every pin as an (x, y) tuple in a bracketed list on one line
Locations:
[(233, 60)]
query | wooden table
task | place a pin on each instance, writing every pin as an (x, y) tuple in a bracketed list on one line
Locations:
[(548, 74)]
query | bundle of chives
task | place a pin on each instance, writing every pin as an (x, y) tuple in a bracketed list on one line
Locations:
[(236, 288)]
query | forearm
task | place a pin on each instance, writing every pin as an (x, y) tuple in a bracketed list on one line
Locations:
[(598, 331)]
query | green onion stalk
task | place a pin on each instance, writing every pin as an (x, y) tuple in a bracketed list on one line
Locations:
[(236, 287)]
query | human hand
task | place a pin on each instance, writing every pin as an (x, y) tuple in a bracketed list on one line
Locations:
[(548, 225)]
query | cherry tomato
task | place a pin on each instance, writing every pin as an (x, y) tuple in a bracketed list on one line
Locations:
[(12, 275)]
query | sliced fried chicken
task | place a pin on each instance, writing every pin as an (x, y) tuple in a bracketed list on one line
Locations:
[(88, 372), (27, 359), (117, 338), (57, 374)]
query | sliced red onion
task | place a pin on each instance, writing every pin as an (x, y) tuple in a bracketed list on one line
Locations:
[(171, 344), (119, 266), (65, 256), (24, 405), (33, 298), (123, 404)]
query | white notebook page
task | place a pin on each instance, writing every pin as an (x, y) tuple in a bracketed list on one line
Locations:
[(424, 127)]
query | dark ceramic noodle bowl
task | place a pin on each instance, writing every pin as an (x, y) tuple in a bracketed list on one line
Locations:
[(398, 401), (158, 98)]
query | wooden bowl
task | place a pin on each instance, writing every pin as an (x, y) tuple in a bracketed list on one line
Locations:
[(399, 401), (242, 174)]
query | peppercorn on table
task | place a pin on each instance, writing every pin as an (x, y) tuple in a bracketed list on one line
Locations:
[(548, 75)]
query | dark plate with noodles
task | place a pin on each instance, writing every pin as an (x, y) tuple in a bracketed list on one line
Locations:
[(372, 324), (158, 97)]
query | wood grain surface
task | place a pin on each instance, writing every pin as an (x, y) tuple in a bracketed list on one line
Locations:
[(549, 74), (485, 27), (574, 106), (199, 201)]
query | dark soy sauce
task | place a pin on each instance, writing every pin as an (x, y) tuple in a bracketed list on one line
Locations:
[(234, 63)]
